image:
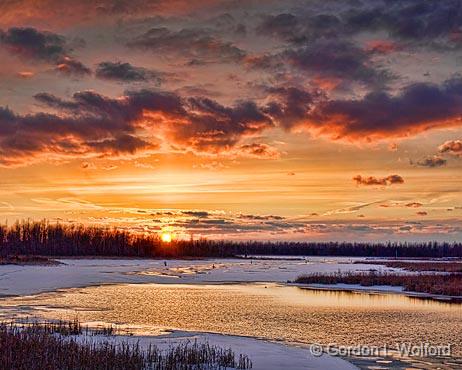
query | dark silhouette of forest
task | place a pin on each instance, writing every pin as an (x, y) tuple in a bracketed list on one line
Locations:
[(55, 239)]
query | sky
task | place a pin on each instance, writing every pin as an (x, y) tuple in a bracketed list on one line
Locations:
[(273, 120)]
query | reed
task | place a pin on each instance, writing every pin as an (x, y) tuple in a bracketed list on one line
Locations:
[(431, 283), (453, 266), (64, 345)]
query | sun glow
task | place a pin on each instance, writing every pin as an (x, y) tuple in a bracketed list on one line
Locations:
[(166, 237)]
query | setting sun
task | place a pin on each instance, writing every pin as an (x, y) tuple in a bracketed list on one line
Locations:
[(166, 237)]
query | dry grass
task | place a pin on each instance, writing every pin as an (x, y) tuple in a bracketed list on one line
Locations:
[(442, 284), (453, 267), (34, 346)]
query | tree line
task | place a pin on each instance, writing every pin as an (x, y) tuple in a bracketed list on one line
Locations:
[(55, 239)]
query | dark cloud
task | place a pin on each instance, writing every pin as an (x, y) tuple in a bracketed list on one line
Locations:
[(33, 44), (194, 44), (126, 72), (92, 124), (214, 128), (382, 181), (302, 28), (258, 150), (200, 214), (418, 108), (453, 147), (261, 217), (285, 26), (228, 24), (431, 162), (290, 105), (87, 125), (122, 144), (414, 22), (338, 59), (72, 68)]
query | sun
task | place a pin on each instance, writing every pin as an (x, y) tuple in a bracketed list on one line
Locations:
[(166, 237)]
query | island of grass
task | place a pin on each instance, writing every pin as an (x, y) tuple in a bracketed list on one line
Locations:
[(447, 284)]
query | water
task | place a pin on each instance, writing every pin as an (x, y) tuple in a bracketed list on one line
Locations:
[(269, 311)]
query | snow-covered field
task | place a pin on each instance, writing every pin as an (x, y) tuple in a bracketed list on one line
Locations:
[(75, 273)]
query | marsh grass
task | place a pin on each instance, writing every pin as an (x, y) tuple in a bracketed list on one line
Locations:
[(436, 266), (441, 284), (69, 346)]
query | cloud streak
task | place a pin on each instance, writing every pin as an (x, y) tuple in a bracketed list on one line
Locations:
[(125, 72), (378, 181)]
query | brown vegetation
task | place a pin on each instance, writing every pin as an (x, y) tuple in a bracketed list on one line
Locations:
[(441, 284), (52, 346), (421, 266)]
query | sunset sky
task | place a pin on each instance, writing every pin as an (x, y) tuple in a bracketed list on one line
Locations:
[(290, 120)]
